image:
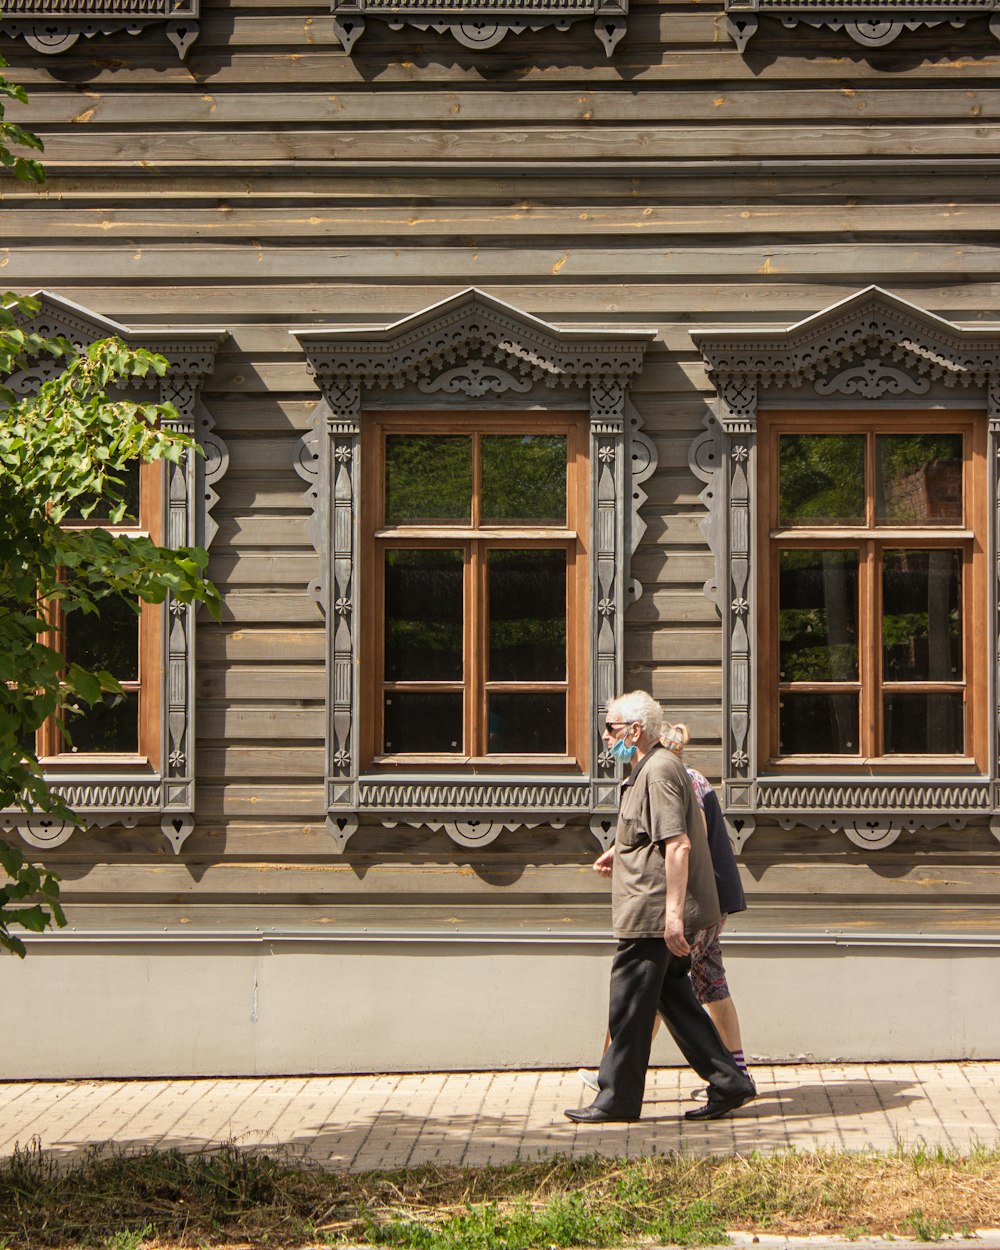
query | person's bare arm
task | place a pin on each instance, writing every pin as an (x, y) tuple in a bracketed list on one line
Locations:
[(675, 864)]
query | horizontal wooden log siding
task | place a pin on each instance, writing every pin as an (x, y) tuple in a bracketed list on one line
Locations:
[(270, 182)]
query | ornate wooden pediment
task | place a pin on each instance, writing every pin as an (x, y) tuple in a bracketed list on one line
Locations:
[(869, 346)]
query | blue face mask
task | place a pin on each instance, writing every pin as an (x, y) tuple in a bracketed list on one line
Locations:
[(620, 750)]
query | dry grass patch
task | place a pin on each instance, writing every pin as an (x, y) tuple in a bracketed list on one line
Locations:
[(236, 1197)]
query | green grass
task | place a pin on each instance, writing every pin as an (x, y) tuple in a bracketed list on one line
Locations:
[(109, 1200)]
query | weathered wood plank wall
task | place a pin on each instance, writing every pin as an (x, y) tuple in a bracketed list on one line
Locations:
[(271, 182)]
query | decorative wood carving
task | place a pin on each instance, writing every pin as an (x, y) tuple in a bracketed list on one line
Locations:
[(472, 832), (870, 23), (471, 348), (46, 832), (480, 25), (189, 498), (877, 347), (54, 26)]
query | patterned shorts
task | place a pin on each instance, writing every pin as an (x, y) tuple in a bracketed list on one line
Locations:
[(708, 974)]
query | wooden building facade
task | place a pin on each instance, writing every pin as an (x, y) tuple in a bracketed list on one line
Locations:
[(676, 322)]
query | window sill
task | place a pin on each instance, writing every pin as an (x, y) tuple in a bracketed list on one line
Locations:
[(850, 767), (477, 764), (87, 762)]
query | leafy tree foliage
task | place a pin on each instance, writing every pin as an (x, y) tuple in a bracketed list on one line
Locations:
[(23, 167), (63, 451)]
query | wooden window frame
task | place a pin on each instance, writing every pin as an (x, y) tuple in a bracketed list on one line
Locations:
[(148, 683), (476, 540), (870, 540)]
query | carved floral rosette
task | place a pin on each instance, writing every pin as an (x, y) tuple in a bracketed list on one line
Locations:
[(55, 26), (471, 351), (104, 797), (883, 350)]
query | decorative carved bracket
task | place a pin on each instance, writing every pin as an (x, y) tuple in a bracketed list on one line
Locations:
[(467, 351), (189, 497), (54, 26), (870, 23), (873, 834), (483, 25), (876, 347), (45, 832), (473, 832)]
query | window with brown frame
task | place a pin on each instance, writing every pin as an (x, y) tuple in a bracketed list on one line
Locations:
[(122, 728), (873, 590), (475, 555)]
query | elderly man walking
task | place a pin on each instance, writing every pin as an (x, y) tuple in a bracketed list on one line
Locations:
[(662, 893)]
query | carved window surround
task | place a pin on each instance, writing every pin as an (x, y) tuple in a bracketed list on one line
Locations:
[(54, 26), (471, 351), (102, 796), (483, 25), (882, 350), (871, 23)]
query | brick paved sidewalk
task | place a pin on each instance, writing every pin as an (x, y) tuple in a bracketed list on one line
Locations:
[(360, 1122)]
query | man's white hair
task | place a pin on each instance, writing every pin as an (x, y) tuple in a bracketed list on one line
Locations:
[(637, 705)]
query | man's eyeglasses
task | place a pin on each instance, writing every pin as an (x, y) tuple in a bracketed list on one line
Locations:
[(611, 725)]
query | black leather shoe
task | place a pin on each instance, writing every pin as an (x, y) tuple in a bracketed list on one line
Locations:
[(594, 1115), (716, 1107)]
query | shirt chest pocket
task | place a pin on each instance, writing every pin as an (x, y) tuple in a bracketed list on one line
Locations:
[(631, 826)]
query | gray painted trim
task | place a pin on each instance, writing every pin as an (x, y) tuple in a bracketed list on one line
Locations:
[(870, 23), (466, 353), (54, 26), (188, 499), (875, 349), (480, 26)]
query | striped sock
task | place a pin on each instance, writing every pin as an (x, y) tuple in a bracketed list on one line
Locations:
[(741, 1062)]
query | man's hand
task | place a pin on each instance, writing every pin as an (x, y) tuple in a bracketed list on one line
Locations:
[(673, 935), (604, 864)]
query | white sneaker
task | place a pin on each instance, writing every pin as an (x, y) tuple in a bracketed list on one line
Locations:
[(589, 1078)]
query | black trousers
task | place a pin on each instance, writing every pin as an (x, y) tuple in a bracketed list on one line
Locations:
[(646, 978)]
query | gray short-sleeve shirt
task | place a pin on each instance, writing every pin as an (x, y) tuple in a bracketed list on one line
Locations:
[(658, 804)]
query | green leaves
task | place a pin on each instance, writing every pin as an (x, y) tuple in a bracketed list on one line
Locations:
[(25, 881), (22, 167)]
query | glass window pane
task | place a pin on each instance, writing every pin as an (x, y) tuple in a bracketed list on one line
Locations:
[(418, 722), (129, 490), (423, 615), (111, 725), (527, 624), (922, 615), (532, 723), (818, 616), (918, 479), (822, 479), (524, 479), (428, 477), (924, 723), (107, 639), (818, 724)]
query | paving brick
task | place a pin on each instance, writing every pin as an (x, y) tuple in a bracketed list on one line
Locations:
[(478, 1118)]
